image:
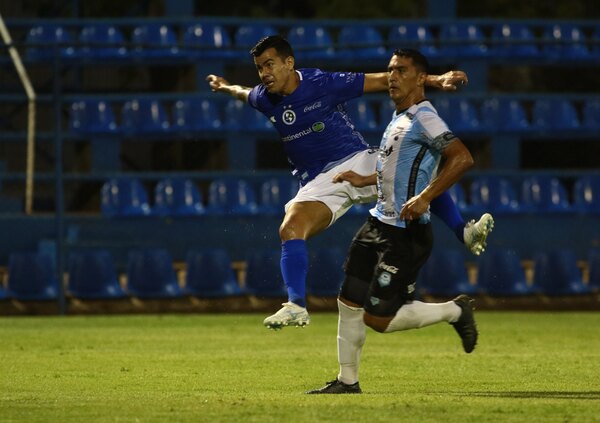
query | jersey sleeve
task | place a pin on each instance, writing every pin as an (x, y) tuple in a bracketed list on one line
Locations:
[(436, 131), (253, 97), (346, 85)]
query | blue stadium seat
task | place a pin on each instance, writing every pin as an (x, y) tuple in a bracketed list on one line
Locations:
[(102, 41), (361, 42), (556, 273), (150, 274), (595, 39), (555, 115), (594, 268), (413, 35), (564, 41), (591, 115), (461, 40), (544, 194), (31, 277), (207, 40), (155, 41), (240, 116), (246, 36), (445, 274), (43, 39), (499, 272), (123, 197), (209, 274), (494, 195), (386, 111), (275, 193), (92, 275), (459, 196), (3, 293), (177, 197), (196, 115), (459, 114), (231, 196), (362, 115), (311, 42), (263, 274), (586, 194), (513, 40), (504, 115), (325, 272), (92, 117), (144, 116)]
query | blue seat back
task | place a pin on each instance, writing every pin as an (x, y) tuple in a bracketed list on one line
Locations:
[(325, 272), (555, 114), (231, 196), (360, 42), (263, 274), (246, 36), (241, 116), (177, 197), (102, 41), (311, 42), (92, 275), (499, 272), (31, 277), (154, 41), (513, 40), (92, 116), (445, 274), (565, 41), (556, 273), (459, 114), (594, 269), (591, 115), (415, 36), (495, 195), (587, 193), (207, 40), (504, 115), (462, 40), (544, 194), (276, 192), (387, 108), (144, 116), (124, 197), (459, 196), (45, 37), (362, 115), (150, 274), (196, 115), (209, 274)]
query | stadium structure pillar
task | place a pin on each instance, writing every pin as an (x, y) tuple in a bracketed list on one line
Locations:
[(506, 152)]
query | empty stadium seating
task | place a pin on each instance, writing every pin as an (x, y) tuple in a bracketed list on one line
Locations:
[(92, 275), (361, 42), (246, 36), (504, 115), (263, 274), (121, 197), (362, 115), (177, 197), (500, 273), (275, 193), (462, 40), (512, 40), (209, 274), (45, 38), (445, 274), (196, 115), (311, 41), (155, 41), (564, 41), (231, 196), (102, 41), (556, 273), (594, 269), (413, 35), (92, 117), (544, 195), (586, 196), (150, 274), (495, 195), (325, 272), (207, 41), (144, 116), (31, 277), (555, 115)]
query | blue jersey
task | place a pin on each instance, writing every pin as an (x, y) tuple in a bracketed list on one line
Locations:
[(409, 156), (312, 121)]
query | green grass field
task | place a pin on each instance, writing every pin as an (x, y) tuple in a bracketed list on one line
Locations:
[(535, 367)]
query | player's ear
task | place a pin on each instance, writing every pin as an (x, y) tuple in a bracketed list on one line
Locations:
[(290, 62), (421, 79)]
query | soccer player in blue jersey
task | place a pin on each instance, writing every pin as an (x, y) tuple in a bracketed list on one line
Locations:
[(388, 251), (306, 108)]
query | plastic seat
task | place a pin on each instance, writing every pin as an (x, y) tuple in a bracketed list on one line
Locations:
[(92, 275), (92, 117), (102, 42), (499, 272), (586, 194), (246, 36), (544, 194), (591, 115), (311, 42), (3, 293), (275, 193), (150, 274), (231, 196), (459, 114), (209, 274), (206, 40), (196, 115), (386, 112), (461, 40), (445, 274), (513, 40), (555, 114), (564, 41), (362, 115), (459, 196), (594, 268), (325, 272), (124, 197), (263, 274), (415, 36), (177, 197), (556, 273), (361, 42), (240, 116), (44, 37), (155, 41), (144, 116), (495, 195), (31, 277), (504, 115)]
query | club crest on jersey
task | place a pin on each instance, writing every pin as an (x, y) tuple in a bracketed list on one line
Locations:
[(288, 117)]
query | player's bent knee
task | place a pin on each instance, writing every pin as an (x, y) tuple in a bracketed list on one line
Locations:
[(378, 324)]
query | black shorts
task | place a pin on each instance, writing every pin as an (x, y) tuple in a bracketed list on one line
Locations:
[(386, 260)]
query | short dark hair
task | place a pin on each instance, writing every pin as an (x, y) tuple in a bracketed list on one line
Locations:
[(280, 44), (417, 57)]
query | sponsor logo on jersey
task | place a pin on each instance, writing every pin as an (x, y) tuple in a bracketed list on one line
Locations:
[(288, 117), (272, 119), (318, 126), (312, 106), (388, 268), (384, 279)]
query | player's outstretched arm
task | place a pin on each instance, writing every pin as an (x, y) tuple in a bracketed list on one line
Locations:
[(375, 82), (356, 179), (220, 84)]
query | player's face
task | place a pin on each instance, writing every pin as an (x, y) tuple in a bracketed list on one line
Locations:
[(274, 72), (405, 82)]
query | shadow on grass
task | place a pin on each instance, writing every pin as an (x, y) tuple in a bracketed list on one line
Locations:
[(580, 395)]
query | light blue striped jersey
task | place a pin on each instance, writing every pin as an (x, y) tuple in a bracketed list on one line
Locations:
[(409, 156)]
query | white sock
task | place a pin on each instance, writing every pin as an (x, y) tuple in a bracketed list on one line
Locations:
[(351, 338), (418, 314)]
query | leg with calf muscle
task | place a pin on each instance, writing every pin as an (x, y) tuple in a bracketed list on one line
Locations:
[(414, 315), (351, 338)]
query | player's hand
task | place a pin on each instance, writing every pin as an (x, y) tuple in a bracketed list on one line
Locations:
[(450, 80), (216, 82), (352, 177), (414, 208)]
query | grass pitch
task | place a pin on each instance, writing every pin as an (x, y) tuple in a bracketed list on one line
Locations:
[(534, 367)]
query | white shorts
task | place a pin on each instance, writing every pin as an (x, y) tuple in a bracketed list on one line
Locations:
[(340, 196)]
